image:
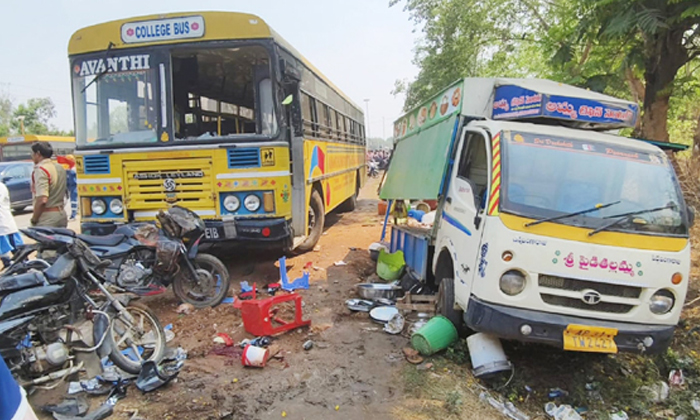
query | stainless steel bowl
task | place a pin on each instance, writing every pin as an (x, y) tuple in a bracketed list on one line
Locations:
[(374, 291)]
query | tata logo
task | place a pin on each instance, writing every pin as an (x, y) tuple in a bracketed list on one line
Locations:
[(169, 185), (591, 297)]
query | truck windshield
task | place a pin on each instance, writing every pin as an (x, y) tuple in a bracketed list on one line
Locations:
[(547, 176)]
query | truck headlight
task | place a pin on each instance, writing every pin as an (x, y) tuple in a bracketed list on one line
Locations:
[(232, 203), (99, 207), (661, 302), (512, 283), (116, 206), (252, 202)]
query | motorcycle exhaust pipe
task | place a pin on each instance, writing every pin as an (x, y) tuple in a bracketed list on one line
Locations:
[(60, 374)]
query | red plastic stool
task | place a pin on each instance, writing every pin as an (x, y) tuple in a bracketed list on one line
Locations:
[(259, 314)]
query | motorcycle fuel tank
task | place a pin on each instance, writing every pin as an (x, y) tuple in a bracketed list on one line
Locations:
[(28, 300)]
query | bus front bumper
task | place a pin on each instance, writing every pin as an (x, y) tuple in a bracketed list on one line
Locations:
[(548, 328), (259, 230)]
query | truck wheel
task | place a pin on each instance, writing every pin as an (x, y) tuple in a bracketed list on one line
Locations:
[(317, 217), (446, 303)]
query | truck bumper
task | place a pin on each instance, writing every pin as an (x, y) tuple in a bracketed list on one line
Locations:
[(547, 328), (241, 230)]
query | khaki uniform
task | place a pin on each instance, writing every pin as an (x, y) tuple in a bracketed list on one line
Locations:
[(49, 180)]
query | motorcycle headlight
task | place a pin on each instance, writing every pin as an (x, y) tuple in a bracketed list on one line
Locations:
[(252, 202), (99, 206), (662, 302), (116, 206), (232, 203), (512, 283)]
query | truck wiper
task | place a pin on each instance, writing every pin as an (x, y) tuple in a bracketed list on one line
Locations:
[(577, 213), (626, 216), (102, 73)]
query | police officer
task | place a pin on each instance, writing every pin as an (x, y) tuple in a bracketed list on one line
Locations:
[(48, 188)]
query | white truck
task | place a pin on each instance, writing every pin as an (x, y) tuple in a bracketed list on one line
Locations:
[(548, 228)]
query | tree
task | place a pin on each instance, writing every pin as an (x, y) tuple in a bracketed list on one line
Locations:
[(5, 115), (37, 113), (670, 35)]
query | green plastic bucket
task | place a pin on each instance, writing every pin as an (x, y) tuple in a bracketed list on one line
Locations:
[(435, 335), (390, 266)]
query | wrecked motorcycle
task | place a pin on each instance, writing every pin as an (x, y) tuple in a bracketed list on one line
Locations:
[(145, 260), (52, 320)]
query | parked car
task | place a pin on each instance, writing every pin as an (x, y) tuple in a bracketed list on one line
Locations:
[(17, 177)]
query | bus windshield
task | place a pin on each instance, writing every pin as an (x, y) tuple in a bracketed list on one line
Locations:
[(115, 107), (190, 94), (547, 176)]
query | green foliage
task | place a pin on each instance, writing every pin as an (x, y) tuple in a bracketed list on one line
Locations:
[(625, 48)]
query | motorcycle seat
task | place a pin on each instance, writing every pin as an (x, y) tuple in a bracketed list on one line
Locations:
[(107, 240), (22, 281), (55, 231)]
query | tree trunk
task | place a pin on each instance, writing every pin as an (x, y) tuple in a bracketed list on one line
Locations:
[(664, 56)]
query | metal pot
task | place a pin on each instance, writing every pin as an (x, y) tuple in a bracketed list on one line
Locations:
[(374, 291)]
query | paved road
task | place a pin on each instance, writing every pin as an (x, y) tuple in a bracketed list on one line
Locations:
[(22, 219)]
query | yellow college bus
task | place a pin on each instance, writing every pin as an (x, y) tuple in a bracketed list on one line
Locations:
[(20, 147), (215, 112)]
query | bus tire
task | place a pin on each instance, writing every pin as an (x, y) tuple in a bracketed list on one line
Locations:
[(317, 214), (445, 304)]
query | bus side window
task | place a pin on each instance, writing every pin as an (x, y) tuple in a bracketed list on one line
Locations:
[(473, 166)]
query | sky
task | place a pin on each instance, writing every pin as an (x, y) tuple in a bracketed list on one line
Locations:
[(363, 46)]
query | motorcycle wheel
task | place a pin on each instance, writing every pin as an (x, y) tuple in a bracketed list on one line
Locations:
[(209, 288), (132, 344)]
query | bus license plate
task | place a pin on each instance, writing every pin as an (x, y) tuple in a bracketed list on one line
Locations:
[(212, 233), (590, 339)]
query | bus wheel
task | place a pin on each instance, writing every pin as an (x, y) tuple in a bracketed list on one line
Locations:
[(446, 304), (317, 217)]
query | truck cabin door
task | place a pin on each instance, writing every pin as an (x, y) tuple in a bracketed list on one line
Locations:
[(464, 208)]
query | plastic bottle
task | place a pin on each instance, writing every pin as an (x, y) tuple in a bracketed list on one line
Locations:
[(562, 412)]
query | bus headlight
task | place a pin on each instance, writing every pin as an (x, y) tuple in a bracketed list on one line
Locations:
[(251, 202), (116, 206), (232, 203), (661, 302), (99, 207), (512, 283)]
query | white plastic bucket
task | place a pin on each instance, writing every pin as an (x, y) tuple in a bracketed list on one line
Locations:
[(487, 354), (254, 356)]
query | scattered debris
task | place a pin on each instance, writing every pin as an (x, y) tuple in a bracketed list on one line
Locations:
[(507, 408), (153, 377), (308, 345), (70, 406), (437, 334), (299, 283), (258, 315), (319, 328), (657, 392), (317, 248), (676, 378), (340, 263), (486, 354), (91, 386), (223, 338), (395, 325), (263, 341), (383, 314), (561, 412), (555, 393), (412, 356), (308, 265), (169, 334), (425, 366), (620, 415), (254, 356), (359, 305), (185, 309)]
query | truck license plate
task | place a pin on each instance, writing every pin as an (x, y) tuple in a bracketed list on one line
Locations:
[(590, 339)]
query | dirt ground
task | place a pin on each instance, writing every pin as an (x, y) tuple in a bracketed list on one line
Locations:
[(352, 371)]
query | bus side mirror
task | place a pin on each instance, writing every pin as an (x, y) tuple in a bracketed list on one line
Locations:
[(288, 100), (691, 215)]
